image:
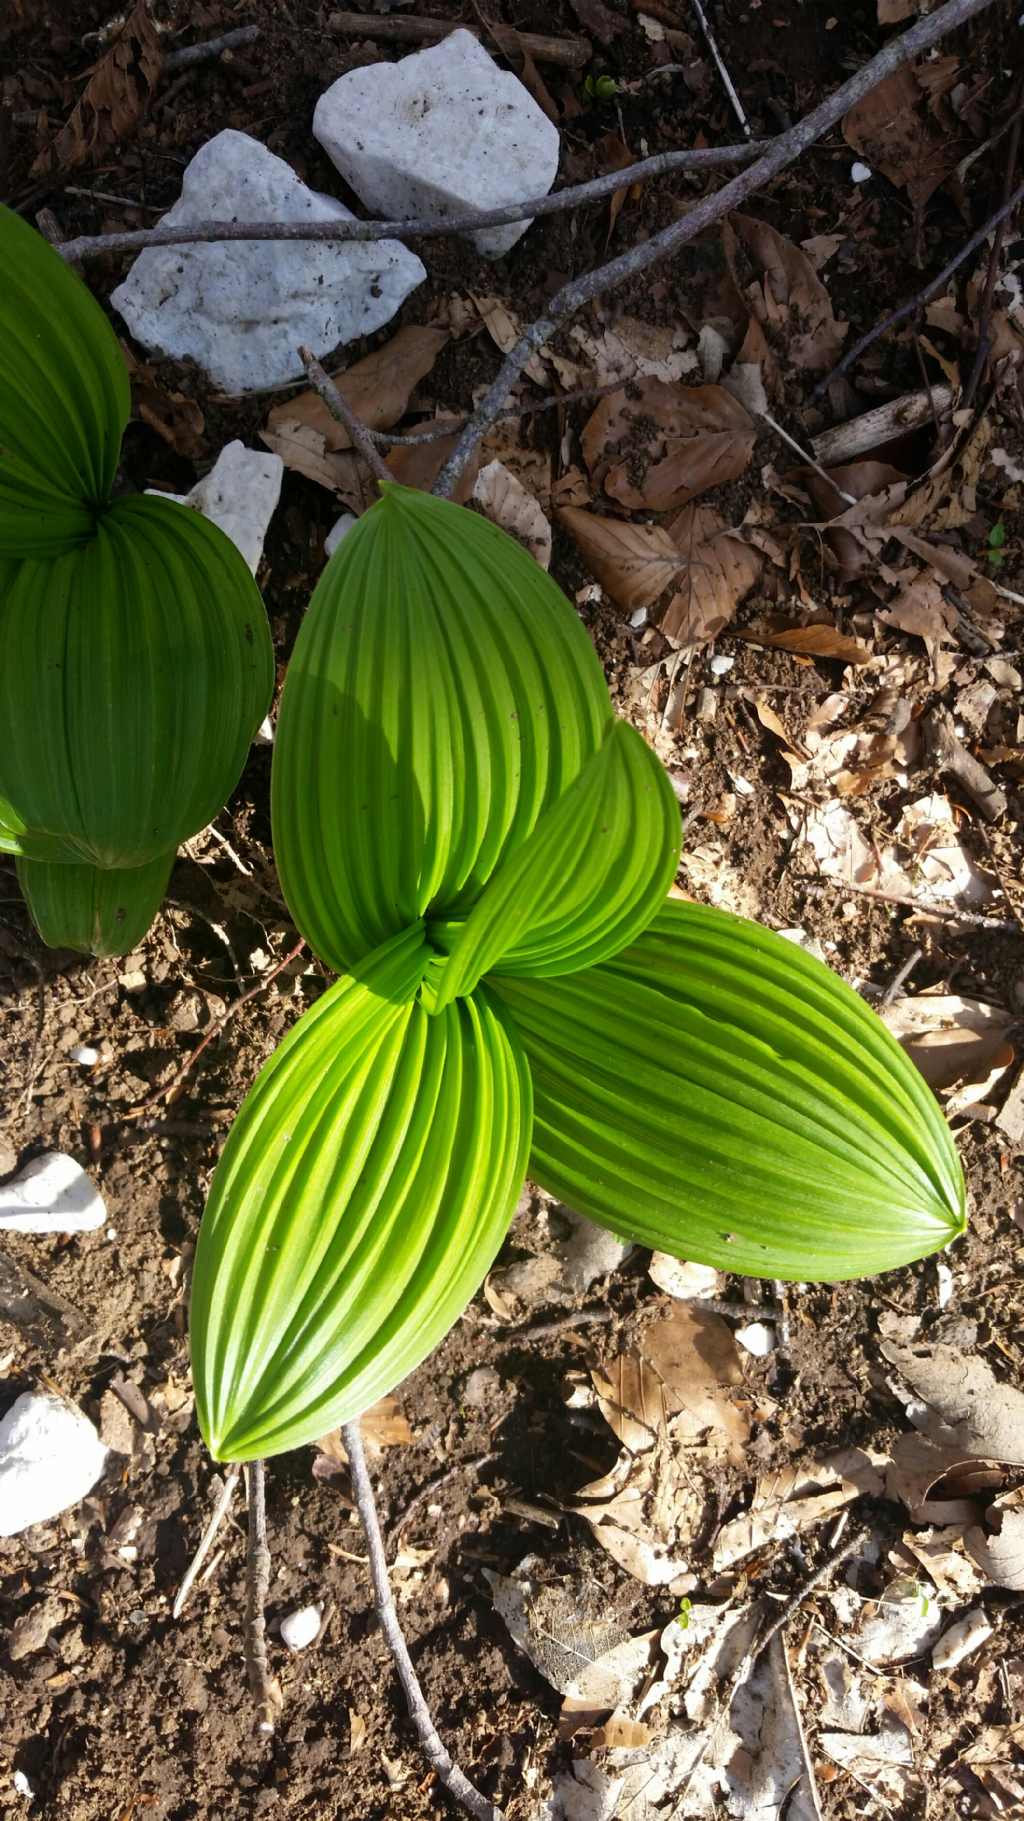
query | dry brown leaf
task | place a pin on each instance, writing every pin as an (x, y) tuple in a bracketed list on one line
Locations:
[(113, 100), (796, 1499), (176, 418), (384, 1426), (936, 1482), (620, 1733), (718, 570), (633, 563), (810, 641), (895, 132), (419, 464), (677, 440), (377, 388), (682, 1373), (921, 608), (951, 1039), (645, 1513), (893, 12), (356, 1732), (970, 1408), (998, 1548), (785, 296), (507, 503), (504, 330)]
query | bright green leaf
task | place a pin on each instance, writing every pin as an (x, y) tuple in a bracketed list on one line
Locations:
[(441, 695), (134, 671), (717, 1094), (586, 882), (364, 1191), (64, 398), (101, 911)]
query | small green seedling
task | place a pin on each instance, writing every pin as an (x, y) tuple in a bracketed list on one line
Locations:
[(481, 851), (684, 1615), (600, 88), (135, 655), (995, 553)]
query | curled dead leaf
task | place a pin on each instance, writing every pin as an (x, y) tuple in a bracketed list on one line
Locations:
[(115, 97), (675, 442), (507, 503), (784, 294)]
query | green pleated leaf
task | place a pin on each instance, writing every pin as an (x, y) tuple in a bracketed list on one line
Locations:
[(25, 844), (99, 911), (363, 1193), (441, 695), (584, 884), (134, 671), (718, 1094), (64, 398)]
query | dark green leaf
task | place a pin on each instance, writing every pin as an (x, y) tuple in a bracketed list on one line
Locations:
[(100, 911)]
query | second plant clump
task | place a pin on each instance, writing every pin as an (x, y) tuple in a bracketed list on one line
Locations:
[(467, 835)]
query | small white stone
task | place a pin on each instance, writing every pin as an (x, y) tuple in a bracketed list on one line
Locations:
[(242, 309), (638, 618), (962, 1640), (240, 494), (720, 665), (264, 735), (861, 173), (52, 1194), (757, 1338), (340, 528), (22, 1784), (944, 1284), (50, 1457), (442, 132), (683, 1279), (301, 1628), (85, 1055)]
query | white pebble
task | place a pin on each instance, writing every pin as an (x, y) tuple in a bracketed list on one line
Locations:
[(52, 1194), (300, 1628), (944, 1278), (757, 1338), (340, 528), (239, 494), (720, 665), (962, 1640), (22, 1784), (50, 1457), (85, 1054), (861, 173)]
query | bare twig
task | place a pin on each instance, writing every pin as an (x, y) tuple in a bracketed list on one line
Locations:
[(474, 1465), (557, 1324), (189, 54), (342, 412), (727, 81), (817, 888), (792, 443), (823, 1572), (170, 1093), (919, 298), (439, 1758), (264, 1690), (949, 754), (571, 53), (452, 425), (984, 347), (220, 1510), (134, 240), (899, 980), (780, 153)]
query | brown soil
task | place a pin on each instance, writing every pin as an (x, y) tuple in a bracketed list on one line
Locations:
[(127, 1713)]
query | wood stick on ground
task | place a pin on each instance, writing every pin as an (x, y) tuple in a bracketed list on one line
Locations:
[(454, 1780), (899, 979), (133, 240), (781, 153), (262, 1686), (171, 1092), (926, 293), (342, 412), (189, 54), (220, 1511), (817, 888), (949, 754), (571, 53), (727, 81)]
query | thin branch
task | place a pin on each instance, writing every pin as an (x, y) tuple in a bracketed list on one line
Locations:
[(984, 347), (264, 1690), (792, 443), (342, 412), (451, 426), (899, 979), (220, 1510), (919, 298), (134, 240), (571, 53), (727, 81), (189, 54), (170, 1093), (781, 153), (449, 1773)]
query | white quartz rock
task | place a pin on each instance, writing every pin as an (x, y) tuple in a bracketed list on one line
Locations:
[(52, 1194), (239, 494), (301, 1628), (241, 309), (442, 132), (50, 1457), (340, 528)]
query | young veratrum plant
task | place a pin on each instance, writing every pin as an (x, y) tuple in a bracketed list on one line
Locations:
[(135, 655), (481, 851)]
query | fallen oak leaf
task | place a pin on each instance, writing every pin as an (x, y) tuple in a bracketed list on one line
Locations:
[(377, 389), (895, 132), (815, 641), (504, 500), (680, 440), (786, 297), (113, 100), (633, 563), (718, 570)]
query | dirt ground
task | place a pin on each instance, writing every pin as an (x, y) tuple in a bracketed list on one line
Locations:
[(126, 1713)]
